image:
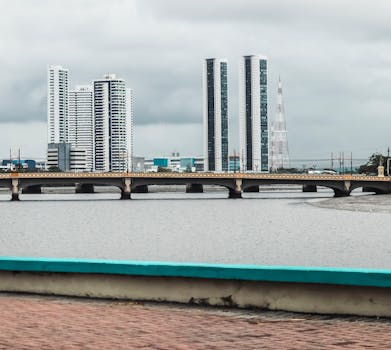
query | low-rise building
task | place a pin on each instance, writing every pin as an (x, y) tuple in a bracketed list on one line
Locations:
[(64, 157), (199, 163), (78, 160), (13, 164), (173, 163), (138, 164)]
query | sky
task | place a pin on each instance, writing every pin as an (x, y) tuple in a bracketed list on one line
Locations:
[(334, 59)]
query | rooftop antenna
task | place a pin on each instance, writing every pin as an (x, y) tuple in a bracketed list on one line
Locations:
[(279, 135)]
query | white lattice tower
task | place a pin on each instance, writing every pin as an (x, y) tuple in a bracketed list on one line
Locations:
[(279, 152)]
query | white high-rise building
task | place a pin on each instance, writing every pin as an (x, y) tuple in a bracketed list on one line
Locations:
[(215, 113), (129, 124), (253, 120), (57, 104), (112, 124), (81, 122)]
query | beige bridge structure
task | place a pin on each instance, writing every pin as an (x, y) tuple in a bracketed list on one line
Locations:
[(236, 183)]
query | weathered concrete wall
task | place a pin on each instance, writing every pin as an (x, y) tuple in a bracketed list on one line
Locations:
[(297, 297)]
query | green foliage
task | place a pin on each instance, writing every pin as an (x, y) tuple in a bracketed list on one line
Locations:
[(54, 169), (161, 169), (188, 169), (374, 161), (289, 171)]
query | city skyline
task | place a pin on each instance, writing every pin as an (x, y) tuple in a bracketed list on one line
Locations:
[(334, 79)]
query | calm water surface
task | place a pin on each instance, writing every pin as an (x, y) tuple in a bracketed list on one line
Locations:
[(269, 228)]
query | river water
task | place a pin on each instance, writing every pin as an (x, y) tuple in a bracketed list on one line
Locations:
[(269, 228)]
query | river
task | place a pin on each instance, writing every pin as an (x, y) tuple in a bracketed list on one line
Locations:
[(284, 227)]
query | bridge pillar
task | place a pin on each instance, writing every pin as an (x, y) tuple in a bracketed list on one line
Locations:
[(34, 189), (251, 189), (194, 188), (341, 193), (310, 188), (237, 191), (15, 190), (126, 190), (345, 192), (140, 189), (84, 188)]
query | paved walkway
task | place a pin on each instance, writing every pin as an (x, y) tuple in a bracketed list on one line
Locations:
[(37, 322)]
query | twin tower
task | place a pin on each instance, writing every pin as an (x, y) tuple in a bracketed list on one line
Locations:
[(253, 119)]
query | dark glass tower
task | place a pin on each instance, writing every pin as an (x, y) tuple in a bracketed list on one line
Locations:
[(254, 134), (215, 115)]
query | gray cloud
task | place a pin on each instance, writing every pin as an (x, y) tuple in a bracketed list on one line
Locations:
[(334, 58)]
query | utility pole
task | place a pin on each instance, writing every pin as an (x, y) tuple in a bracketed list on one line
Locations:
[(243, 169), (10, 159), (238, 161), (340, 162), (332, 161), (351, 163)]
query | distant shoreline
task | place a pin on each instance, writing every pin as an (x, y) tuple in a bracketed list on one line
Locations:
[(367, 203)]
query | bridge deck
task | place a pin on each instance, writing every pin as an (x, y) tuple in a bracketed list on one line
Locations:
[(255, 176)]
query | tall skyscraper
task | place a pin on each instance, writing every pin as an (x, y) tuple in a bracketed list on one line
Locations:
[(215, 115), (112, 124), (81, 121), (253, 120), (279, 154), (57, 104)]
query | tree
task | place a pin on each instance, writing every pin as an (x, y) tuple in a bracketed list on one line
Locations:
[(288, 171), (54, 169), (188, 169), (374, 161), (161, 169)]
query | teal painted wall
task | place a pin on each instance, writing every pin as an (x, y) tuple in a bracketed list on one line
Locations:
[(340, 276)]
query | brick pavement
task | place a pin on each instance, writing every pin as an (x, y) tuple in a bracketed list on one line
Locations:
[(40, 322)]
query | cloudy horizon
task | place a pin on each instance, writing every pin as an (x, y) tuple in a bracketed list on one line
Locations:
[(334, 59)]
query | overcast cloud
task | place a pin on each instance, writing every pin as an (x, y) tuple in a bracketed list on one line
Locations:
[(334, 58)]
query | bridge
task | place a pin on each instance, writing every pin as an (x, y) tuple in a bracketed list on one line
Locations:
[(235, 183)]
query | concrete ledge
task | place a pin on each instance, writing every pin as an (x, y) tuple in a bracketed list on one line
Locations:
[(298, 274), (316, 290)]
